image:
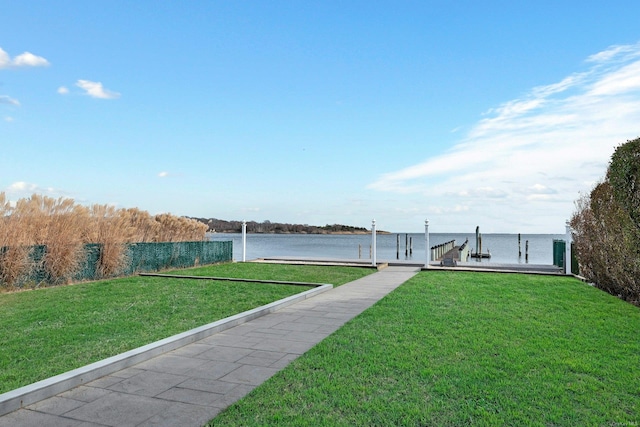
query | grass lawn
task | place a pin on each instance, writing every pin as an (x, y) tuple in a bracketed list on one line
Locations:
[(454, 348), (49, 331), (286, 272)]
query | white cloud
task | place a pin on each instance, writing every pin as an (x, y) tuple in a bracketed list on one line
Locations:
[(531, 157), (447, 210), (96, 90), (26, 59), (63, 90), (4, 99), (613, 51), (163, 174), (5, 60), (8, 119), (481, 192), (538, 189), (626, 79), (21, 189)]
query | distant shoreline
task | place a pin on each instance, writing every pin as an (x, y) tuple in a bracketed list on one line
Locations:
[(364, 233), (267, 227)]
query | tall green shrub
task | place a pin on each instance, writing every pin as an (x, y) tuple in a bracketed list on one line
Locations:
[(624, 176), (606, 227)]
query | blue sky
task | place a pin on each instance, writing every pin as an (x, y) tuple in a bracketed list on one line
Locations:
[(497, 114)]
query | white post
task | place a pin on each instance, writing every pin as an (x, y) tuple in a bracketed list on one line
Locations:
[(373, 242), (567, 254), (427, 248), (244, 241)]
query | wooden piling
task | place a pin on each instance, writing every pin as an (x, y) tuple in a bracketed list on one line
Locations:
[(406, 245)]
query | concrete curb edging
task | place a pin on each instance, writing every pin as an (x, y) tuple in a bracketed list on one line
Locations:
[(497, 269), (27, 395), (228, 279)]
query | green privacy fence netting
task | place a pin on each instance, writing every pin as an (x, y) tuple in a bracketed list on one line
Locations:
[(138, 258), (145, 257)]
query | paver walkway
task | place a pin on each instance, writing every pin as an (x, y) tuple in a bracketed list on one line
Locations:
[(191, 385)]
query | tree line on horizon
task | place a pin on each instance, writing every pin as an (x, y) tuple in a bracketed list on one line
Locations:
[(606, 227), (267, 227)]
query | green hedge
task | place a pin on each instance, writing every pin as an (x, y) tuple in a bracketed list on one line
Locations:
[(606, 227)]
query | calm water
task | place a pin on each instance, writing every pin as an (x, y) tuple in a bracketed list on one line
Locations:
[(503, 247)]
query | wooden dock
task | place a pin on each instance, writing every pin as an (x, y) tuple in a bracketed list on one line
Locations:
[(454, 255)]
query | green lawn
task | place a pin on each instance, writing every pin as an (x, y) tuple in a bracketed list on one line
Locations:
[(454, 348), (49, 331), (285, 272)]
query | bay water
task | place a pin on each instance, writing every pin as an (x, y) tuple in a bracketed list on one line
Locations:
[(503, 247)]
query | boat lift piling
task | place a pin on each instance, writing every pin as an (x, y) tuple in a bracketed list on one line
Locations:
[(478, 253)]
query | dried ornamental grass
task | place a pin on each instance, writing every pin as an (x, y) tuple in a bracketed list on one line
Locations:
[(111, 228), (65, 227), (15, 248)]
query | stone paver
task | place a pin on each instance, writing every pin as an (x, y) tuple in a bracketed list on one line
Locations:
[(192, 384)]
